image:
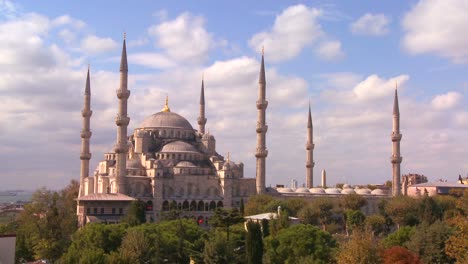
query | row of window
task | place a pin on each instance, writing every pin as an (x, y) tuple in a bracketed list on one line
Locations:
[(98, 211), (192, 206)]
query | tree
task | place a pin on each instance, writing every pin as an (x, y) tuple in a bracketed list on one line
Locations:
[(361, 248), (254, 243), (375, 224), (136, 247), (399, 237), (400, 255), (353, 202), (354, 220), (299, 241), (242, 207), (402, 210), (429, 210), (428, 241), (136, 213), (257, 204), (456, 245), (320, 211), (224, 218)]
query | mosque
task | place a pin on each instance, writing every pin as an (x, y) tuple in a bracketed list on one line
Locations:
[(168, 165)]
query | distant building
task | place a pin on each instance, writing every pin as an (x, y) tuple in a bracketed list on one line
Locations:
[(434, 188)]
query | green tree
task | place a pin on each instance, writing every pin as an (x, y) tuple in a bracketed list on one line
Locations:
[(354, 220), (254, 243), (257, 204), (428, 241), (399, 237), (360, 248), (429, 210), (224, 218), (136, 213), (320, 211), (402, 210), (242, 207), (353, 202), (375, 224), (292, 244), (456, 245)]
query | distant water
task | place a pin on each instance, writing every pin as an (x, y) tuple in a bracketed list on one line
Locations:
[(21, 196)]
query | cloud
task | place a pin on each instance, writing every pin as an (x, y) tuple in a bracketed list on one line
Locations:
[(371, 25), (93, 44), (330, 50), (295, 28), (437, 27), (446, 101), (152, 60), (184, 39)]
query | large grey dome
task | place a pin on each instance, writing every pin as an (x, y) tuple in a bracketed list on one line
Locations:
[(166, 120), (178, 146)]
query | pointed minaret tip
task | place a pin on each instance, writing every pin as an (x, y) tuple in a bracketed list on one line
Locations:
[(202, 92), (309, 118), (123, 59), (396, 108), (262, 69), (88, 86)]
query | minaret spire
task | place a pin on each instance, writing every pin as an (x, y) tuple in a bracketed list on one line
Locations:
[(261, 151), (85, 155), (396, 138), (122, 120), (201, 118), (310, 152)]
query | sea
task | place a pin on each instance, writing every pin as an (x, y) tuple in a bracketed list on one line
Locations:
[(23, 196)]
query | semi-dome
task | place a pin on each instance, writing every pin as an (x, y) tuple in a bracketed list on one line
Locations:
[(179, 146), (134, 163), (348, 191), (165, 120), (363, 191), (378, 192), (317, 190)]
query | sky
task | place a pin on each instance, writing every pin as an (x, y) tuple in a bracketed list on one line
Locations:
[(342, 57)]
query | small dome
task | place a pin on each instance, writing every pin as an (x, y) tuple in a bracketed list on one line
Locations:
[(178, 146), (302, 190), (185, 164), (134, 163), (333, 191), (317, 190), (229, 165), (378, 192), (285, 190), (165, 120), (346, 186), (348, 191), (363, 191)]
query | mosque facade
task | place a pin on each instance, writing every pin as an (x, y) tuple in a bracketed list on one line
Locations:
[(168, 164)]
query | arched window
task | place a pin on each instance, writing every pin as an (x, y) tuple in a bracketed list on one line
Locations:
[(193, 206), (165, 206), (173, 205), (220, 204), (212, 206), (201, 206), (185, 205)]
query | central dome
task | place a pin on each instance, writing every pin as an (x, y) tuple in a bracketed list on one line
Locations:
[(166, 120)]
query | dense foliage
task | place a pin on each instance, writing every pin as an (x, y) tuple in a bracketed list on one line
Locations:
[(405, 230)]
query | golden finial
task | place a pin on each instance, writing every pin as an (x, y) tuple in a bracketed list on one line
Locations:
[(228, 157), (263, 50), (166, 105)]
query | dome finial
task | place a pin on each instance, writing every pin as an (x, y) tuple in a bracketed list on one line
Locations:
[(228, 157), (166, 105)]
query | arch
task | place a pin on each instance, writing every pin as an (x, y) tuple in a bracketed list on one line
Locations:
[(149, 206), (201, 206), (219, 204), (173, 205), (212, 206), (193, 206), (165, 206), (185, 205)]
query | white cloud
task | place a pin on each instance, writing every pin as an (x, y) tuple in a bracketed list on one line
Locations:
[(371, 25), (374, 87), (438, 27), (68, 20), (446, 101), (152, 60), (93, 44), (295, 28), (329, 50), (184, 39)]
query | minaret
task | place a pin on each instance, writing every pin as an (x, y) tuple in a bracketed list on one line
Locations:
[(324, 178), (202, 119), (85, 155), (396, 138), (310, 153), (261, 152), (122, 120)]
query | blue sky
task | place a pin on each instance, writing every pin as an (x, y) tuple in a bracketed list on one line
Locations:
[(342, 56)]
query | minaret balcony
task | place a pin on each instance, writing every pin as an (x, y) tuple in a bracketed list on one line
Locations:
[(310, 164), (261, 128), (262, 104), (86, 134), (396, 159), (396, 136), (120, 148), (310, 146), (85, 156), (123, 93), (122, 120), (261, 153), (86, 113), (201, 120)]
